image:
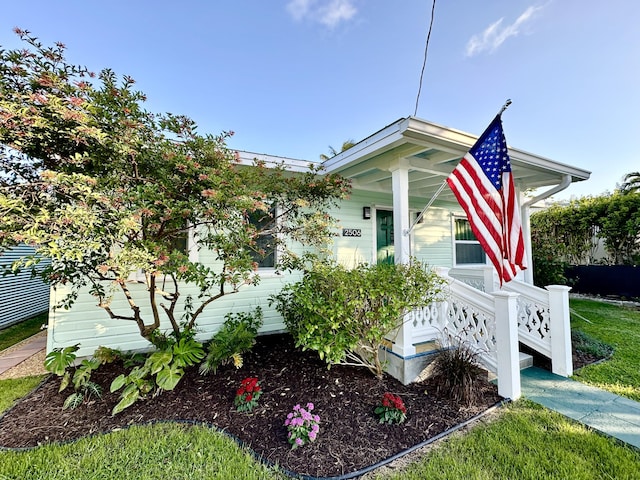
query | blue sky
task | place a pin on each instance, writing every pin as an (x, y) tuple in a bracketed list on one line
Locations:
[(291, 77)]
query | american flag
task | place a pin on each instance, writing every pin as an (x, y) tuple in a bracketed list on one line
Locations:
[(483, 184)]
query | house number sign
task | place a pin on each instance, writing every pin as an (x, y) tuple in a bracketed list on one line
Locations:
[(351, 232)]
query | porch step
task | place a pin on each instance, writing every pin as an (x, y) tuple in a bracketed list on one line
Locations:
[(526, 361)]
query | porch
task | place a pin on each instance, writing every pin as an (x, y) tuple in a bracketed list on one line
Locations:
[(492, 321)]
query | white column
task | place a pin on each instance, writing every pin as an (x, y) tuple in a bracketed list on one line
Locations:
[(401, 240), (560, 320), (403, 344), (526, 233), (507, 345)]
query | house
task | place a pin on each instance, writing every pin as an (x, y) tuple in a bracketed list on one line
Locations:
[(395, 172), (21, 296)]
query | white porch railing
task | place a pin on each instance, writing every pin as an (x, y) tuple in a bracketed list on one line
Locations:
[(542, 314), (493, 323)]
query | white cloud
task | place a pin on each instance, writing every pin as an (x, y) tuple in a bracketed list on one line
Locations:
[(496, 34), (329, 13)]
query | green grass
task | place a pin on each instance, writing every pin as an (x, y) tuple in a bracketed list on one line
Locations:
[(18, 332), (620, 328), (527, 442), (15, 388), (161, 451)]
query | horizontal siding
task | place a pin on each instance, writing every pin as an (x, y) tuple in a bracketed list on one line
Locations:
[(21, 296), (90, 326), (432, 239), (350, 251)]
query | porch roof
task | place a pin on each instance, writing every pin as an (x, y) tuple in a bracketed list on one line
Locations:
[(430, 152)]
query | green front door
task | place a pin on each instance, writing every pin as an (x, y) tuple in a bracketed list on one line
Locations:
[(384, 236)]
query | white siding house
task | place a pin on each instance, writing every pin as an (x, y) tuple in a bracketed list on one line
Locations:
[(394, 173)]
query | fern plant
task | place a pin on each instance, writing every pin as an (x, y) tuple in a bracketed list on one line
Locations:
[(60, 362), (236, 337)]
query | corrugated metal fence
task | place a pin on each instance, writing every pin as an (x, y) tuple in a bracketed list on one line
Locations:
[(21, 296)]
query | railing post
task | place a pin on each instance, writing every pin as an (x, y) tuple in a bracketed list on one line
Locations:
[(489, 279), (507, 344), (403, 341), (560, 325)]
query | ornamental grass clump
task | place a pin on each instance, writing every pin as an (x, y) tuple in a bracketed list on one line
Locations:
[(303, 426), (248, 394), (392, 409)]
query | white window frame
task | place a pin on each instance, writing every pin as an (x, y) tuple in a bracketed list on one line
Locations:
[(455, 242)]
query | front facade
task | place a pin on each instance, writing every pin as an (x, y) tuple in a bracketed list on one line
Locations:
[(395, 173)]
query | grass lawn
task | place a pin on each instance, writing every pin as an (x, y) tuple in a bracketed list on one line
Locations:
[(18, 332), (620, 328), (527, 442), (161, 451)]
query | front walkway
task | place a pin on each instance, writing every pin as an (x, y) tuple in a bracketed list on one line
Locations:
[(606, 412), (22, 351)]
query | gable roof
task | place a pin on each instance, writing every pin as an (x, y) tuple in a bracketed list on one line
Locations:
[(430, 152)]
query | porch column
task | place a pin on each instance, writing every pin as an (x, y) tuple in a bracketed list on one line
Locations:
[(526, 233), (401, 239), (403, 342), (560, 325)]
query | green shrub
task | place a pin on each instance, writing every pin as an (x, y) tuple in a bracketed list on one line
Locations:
[(585, 343), (345, 314), (237, 336)]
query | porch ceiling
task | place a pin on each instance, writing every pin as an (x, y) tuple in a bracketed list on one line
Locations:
[(430, 152)]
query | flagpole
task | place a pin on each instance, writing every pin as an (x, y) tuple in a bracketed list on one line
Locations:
[(444, 183), (505, 106), (419, 217)]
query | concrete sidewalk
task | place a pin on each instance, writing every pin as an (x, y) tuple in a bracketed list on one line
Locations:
[(17, 354), (606, 412)]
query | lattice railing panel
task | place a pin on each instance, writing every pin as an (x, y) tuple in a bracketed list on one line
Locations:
[(473, 326), (534, 319)]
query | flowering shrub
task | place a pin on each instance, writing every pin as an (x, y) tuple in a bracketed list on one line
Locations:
[(392, 409), (303, 426), (248, 394)]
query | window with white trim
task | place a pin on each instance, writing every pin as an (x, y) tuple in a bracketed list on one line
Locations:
[(467, 248)]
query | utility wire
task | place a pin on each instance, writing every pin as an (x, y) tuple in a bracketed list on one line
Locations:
[(424, 62)]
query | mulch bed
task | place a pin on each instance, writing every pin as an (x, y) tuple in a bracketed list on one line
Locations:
[(350, 437)]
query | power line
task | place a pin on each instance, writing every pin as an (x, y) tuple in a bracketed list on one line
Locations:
[(424, 62)]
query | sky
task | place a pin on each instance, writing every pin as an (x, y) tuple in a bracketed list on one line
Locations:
[(293, 77)]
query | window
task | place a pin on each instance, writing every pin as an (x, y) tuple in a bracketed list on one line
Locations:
[(467, 247), (265, 252)]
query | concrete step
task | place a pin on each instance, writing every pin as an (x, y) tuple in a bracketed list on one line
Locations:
[(526, 361)]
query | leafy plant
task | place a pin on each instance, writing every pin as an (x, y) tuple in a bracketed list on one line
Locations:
[(456, 371), (236, 336), (346, 315), (248, 394), (583, 342), (392, 409), (60, 362), (303, 426), (162, 370)]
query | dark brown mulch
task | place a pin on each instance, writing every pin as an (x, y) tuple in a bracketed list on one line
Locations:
[(345, 398)]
